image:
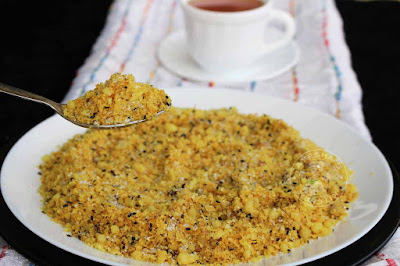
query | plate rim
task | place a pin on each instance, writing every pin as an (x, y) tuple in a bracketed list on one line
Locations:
[(230, 91)]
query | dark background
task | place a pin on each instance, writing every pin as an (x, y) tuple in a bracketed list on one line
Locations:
[(43, 43)]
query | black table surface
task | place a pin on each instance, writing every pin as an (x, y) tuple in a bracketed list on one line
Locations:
[(44, 42)]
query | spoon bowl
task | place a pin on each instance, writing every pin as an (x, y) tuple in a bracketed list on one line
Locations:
[(58, 107)]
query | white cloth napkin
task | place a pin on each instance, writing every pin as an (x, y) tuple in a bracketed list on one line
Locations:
[(323, 79)]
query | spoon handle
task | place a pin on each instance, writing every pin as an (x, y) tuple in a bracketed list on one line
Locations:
[(27, 95)]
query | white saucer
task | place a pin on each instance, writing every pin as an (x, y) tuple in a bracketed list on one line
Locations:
[(174, 56)]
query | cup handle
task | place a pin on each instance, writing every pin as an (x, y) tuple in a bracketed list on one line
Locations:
[(290, 29)]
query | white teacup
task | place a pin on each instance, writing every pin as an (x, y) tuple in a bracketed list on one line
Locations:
[(226, 41)]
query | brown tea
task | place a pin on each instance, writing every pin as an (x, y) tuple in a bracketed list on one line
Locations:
[(226, 5)]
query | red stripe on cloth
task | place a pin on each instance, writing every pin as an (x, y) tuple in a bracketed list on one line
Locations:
[(332, 58), (117, 34), (382, 256), (292, 11), (137, 36), (3, 251)]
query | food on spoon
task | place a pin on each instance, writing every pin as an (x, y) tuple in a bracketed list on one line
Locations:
[(119, 100)]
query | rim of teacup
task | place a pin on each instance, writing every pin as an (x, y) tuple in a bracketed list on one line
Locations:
[(215, 16)]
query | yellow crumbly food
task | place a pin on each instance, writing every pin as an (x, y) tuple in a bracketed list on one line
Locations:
[(119, 100), (196, 186)]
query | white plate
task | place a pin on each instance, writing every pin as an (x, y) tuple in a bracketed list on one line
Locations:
[(174, 56), (373, 178)]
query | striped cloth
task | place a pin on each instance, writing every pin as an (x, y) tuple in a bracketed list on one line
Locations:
[(134, 29), (323, 79)]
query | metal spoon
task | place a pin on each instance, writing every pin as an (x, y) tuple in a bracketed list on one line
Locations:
[(58, 107)]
